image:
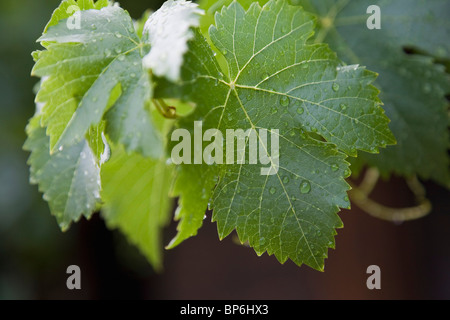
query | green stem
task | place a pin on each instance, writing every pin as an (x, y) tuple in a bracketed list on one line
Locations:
[(168, 112), (360, 196)]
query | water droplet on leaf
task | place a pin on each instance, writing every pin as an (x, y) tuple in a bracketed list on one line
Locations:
[(305, 187), (284, 101), (335, 87), (347, 173)]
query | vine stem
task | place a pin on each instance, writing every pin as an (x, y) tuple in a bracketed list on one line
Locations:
[(167, 111), (360, 196)]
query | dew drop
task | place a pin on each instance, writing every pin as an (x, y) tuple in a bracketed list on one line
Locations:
[(335, 87), (284, 101), (314, 129), (121, 57), (118, 50), (224, 52), (272, 190), (300, 110), (61, 148), (343, 106), (118, 35), (94, 99), (285, 179), (94, 27), (347, 173), (305, 187), (133, 75), (334, 167), (346, 198), (108, 53), (274, 110)]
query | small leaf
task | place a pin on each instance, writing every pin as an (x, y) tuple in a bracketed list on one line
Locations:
[(82, 70), (69, 178), (135, 193), (168, 31)]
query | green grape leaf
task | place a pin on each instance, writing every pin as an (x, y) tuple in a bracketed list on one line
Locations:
[(295, 90), (413, 87), (70, 179), (168, 31), (68, 7), (135, 194), (82, 68)]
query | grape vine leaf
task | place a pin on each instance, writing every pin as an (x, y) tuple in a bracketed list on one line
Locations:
[(413, 87), (279, 82), (168, 31), (68, 7), (70, 179), (136, 201), (135, 196), (82, 68)]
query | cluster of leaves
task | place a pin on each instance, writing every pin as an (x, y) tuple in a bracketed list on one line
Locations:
[(99, 138)]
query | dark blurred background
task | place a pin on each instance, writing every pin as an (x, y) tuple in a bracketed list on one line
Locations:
[(414, 257)]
